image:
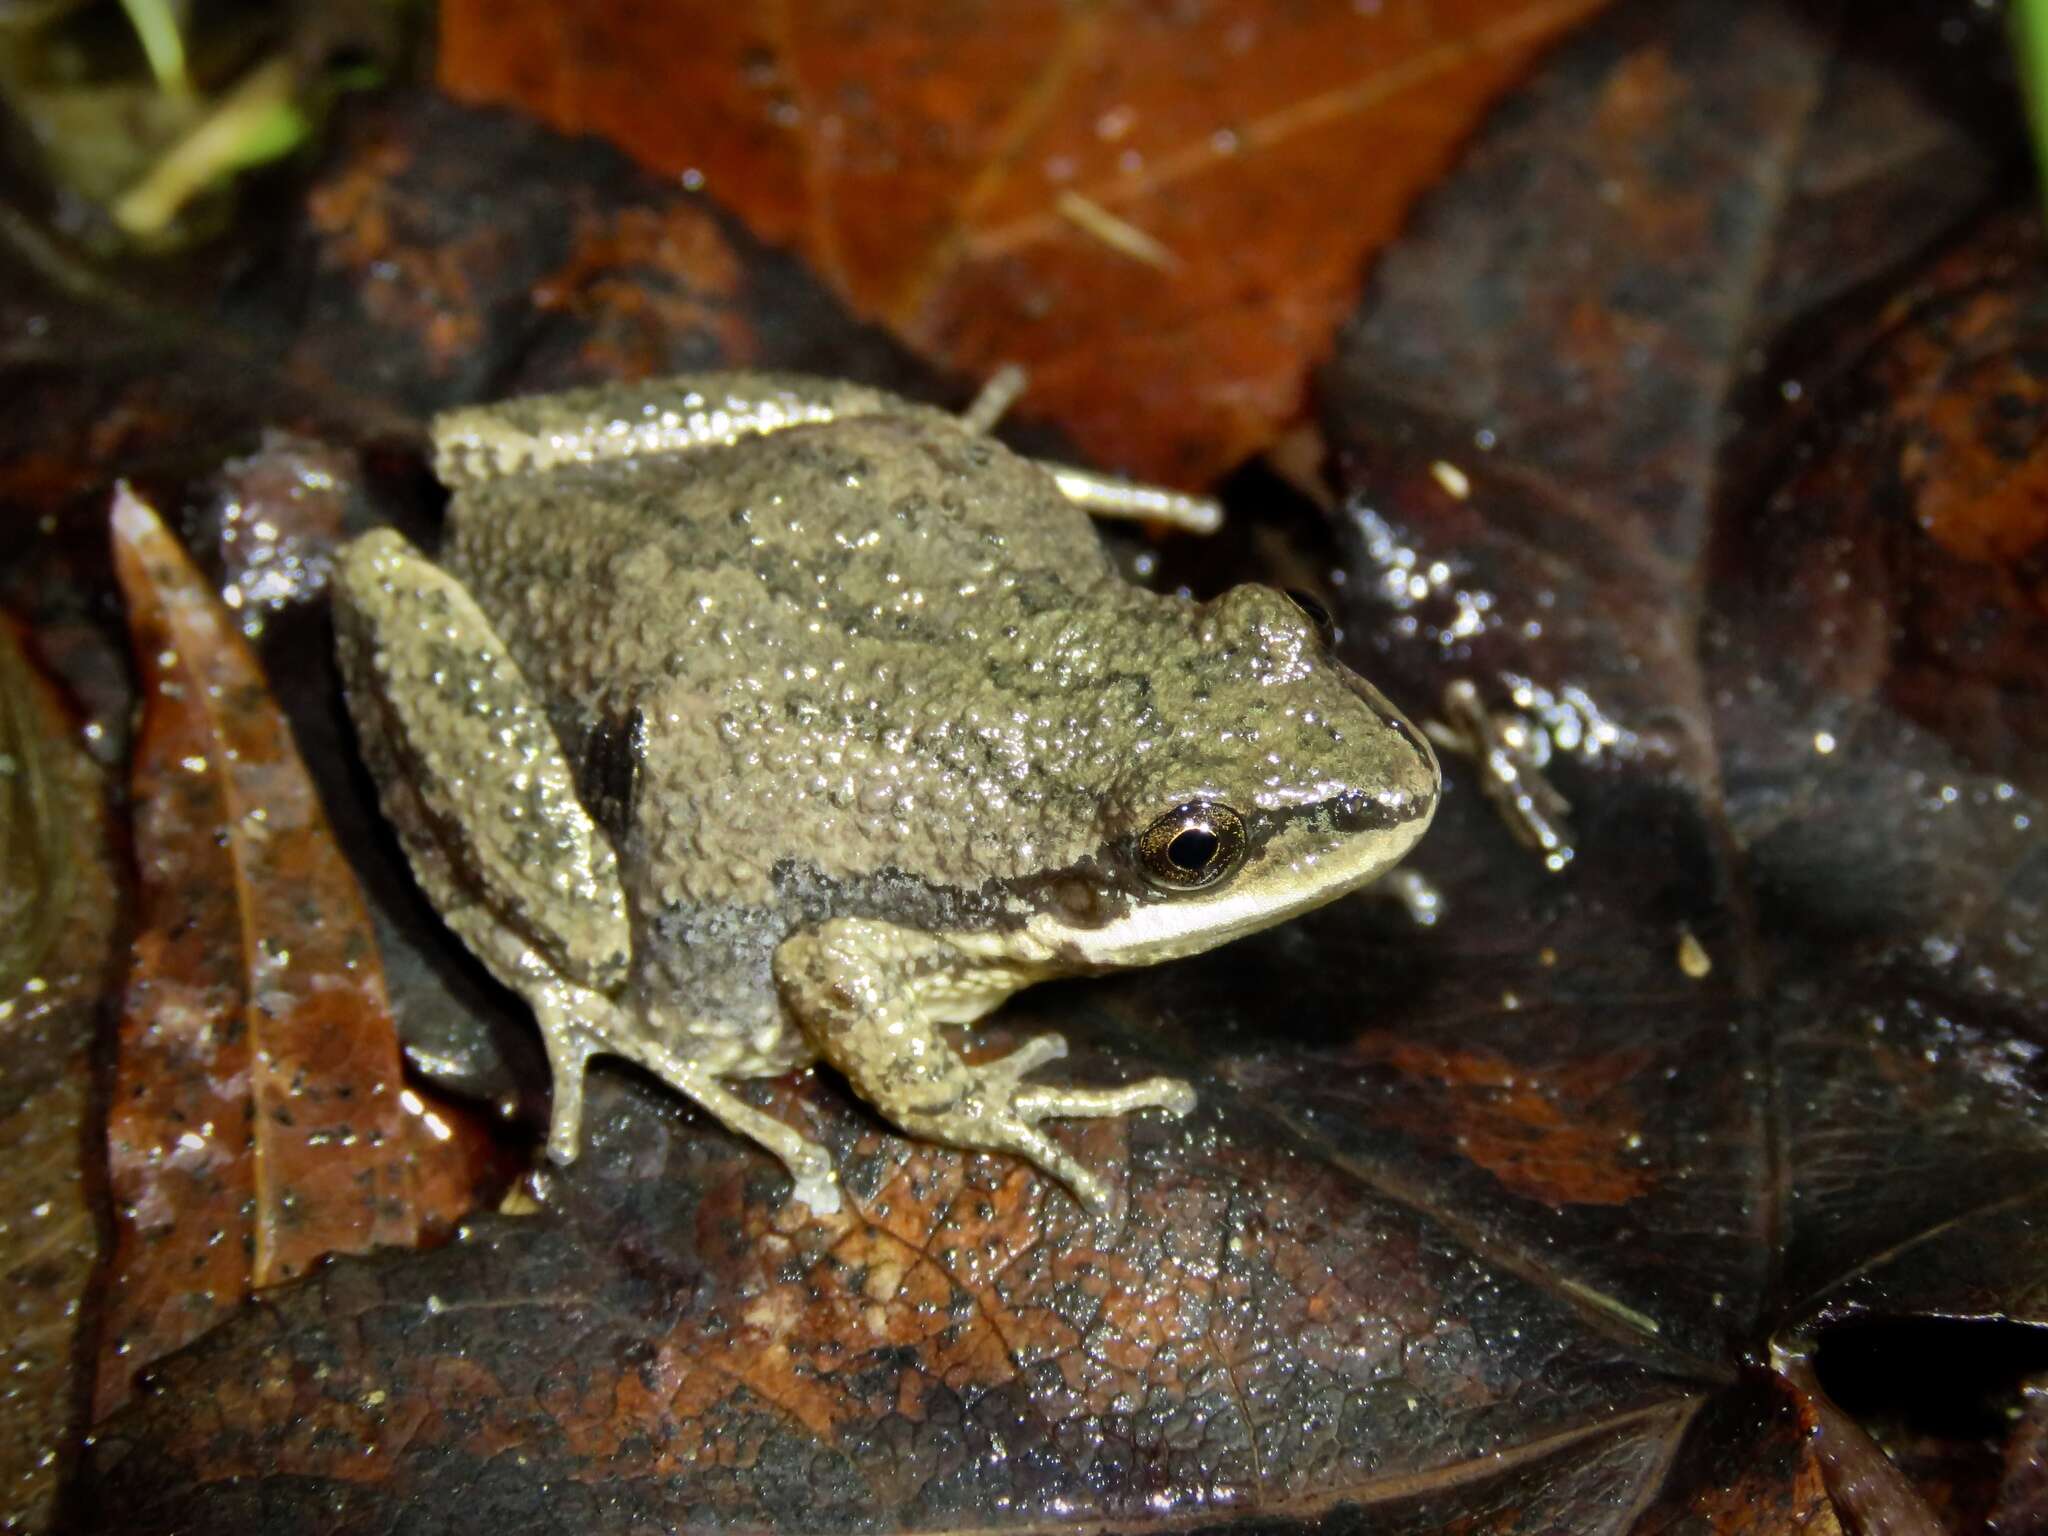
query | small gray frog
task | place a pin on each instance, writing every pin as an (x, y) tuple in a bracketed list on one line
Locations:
[(749, 721)]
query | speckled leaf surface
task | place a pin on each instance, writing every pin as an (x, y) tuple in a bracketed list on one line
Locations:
[(58, 886), (258, 1119), (669, 1344)]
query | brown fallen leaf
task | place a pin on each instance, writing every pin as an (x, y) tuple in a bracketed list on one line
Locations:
[(448, 255), (1160, 211), (57, 913), (259, 1118)]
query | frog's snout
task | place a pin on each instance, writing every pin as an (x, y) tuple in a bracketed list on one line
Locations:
[(1418, 775), (1412, 770)]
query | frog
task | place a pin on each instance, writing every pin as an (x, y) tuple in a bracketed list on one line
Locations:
[(748, 722)]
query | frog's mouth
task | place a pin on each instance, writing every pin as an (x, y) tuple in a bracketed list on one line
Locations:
[(1309, 858)]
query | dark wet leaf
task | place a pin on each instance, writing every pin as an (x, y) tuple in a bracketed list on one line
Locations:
[(449, 255), (57, 913), (668, 1344), (2022, 1502), (1789, 655)]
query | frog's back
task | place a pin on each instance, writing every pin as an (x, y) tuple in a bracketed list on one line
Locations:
[(790, 672), (731, 563), (815, 649)]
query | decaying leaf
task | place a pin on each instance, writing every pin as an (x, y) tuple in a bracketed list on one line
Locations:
[(1160, 211), (57, 914), (665, 1345), (449, 255), (258, 1119)]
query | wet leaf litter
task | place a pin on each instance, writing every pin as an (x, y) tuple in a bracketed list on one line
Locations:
[(1522, 1220), (258, 1119)]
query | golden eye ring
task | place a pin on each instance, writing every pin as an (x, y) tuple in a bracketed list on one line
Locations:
[(1192, 846)]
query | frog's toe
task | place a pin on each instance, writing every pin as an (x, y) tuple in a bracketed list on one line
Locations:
[(1040, 1100), (1176, 1098), (1031, 1055), (565, 1117), (817, 1188), (1045, 1154)]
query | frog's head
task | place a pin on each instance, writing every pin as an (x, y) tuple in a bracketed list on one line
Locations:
[(1268, 780)]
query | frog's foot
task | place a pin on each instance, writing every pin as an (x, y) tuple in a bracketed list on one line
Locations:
[(574, 1021), (998, 1112), (810, 1165), (1418, 895), (853, 984), (1511, 757), (578, 1025)]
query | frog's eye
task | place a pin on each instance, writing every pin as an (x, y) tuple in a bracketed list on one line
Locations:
[(1192, 845), (1315, 613)]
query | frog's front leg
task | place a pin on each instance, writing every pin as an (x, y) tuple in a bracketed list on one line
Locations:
[(866, 994)]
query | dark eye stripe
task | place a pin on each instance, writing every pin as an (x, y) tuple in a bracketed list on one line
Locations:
[(609, 783)]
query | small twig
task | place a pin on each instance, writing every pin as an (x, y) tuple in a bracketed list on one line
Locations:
[(1120, 236)]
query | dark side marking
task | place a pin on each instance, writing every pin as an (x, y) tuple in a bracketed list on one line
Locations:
[(608, 777)]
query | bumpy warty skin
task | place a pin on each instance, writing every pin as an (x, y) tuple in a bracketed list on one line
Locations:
[(882, 668)]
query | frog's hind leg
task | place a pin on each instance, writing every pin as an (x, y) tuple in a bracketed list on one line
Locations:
[(474, 781), (467, 765), (471, 775), (1102, 495), (683, 414)]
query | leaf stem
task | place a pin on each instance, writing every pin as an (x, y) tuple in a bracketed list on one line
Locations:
[(156, 25), (2030, 54)]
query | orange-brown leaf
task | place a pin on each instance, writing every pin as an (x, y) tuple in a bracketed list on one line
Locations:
[(1162, 213), (259, 1119)]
